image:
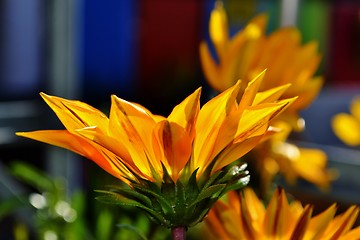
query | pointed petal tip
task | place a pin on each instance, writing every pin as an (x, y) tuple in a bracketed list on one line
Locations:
[(20, 134)]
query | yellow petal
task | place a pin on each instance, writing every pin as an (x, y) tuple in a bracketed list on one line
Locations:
[(270, 95), (249, 94), (118, 148), (342, 223), (218, 28), (300, 229), (217, 226), (234, 152), (136, 126), (209, 121), (319, 223), (185, 114), (176, 145), (240, 55), (211, 68), (257, 116), (307, 93), (75, 114), (353, 234), (271, 215), (347, 128)]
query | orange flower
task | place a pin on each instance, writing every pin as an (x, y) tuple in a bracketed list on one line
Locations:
[(134, 144), (250, 51), (243, 216)]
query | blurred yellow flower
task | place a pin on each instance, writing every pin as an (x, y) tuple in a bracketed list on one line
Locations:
[(276, 155), (250, 51), (288, 62), (243, 216), (134, 144), (347, 126)]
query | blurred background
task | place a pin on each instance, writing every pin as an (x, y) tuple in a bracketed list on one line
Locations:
[(144, 51)]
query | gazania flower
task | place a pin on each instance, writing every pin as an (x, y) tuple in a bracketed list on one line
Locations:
[(288, 62), (276, 155), (347, 126), (243, 216), (250, 50), (173, 164)]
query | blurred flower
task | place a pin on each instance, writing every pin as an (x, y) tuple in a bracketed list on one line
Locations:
[(347, 126), (276, 155), (288, 62), (152, 153), (250, 51), (243, 216)]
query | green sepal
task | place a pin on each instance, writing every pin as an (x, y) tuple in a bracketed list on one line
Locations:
[(131, 194), (182, 203), (117, 199), (166, 206), (210, 192)]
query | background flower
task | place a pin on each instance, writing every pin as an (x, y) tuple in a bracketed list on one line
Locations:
[(244, 216), (250, 51), (287, 61), (347, 126)]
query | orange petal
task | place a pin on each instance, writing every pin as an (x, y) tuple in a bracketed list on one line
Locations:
[(185, 114), (79, 145), (75, 114)]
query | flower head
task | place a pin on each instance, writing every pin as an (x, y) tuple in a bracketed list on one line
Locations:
[(161, 157), (250, 51), (277, 155), (244, 216), (347, 126)]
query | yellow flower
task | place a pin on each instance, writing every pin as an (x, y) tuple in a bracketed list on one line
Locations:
[(135, 144), (276, 155), (250, 51), (243, 216), (176, 166), (347, 126)]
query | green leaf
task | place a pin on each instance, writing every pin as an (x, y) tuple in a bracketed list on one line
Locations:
[(133, 229), (103, 225), (32, 176)]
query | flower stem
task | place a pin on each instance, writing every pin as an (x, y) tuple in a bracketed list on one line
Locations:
[(178, 233)]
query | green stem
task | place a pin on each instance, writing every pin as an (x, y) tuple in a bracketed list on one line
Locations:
[(178, 233)]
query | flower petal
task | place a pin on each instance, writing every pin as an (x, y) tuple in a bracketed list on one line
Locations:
[(75, 114), (185, 114), (79, 145), (208, 124)]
